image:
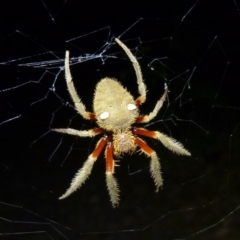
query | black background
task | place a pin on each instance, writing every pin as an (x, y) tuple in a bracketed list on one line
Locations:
[(192, 46)]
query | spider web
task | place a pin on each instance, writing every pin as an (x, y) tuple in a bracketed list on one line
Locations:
[(192, 47)]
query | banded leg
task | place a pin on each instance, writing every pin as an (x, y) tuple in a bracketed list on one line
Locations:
[(153, 114), (168, 142), (155, 167), (73, 93), (141, 86), (112, 185), (85, 171)]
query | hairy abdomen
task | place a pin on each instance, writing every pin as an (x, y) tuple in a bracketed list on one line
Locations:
[(123, 142)]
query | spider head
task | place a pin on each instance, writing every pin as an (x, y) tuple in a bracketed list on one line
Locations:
[(114, 106)]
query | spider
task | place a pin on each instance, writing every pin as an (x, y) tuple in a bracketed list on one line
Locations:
[(115, 111)]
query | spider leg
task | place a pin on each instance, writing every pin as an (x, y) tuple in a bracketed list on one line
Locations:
[(155, 167), (85, 171), (85, 133), (168, 142), (80, 107), (112, 185), (150, 116), (141, 86)]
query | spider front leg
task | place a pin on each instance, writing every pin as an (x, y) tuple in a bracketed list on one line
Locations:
[(85, 171), (155, 167), (153, 114), (111, 181), (73, 93), (141, 86)]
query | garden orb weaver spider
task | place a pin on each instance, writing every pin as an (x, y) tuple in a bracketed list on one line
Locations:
[(115, 110)]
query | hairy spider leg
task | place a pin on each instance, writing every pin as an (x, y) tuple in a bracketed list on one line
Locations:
[(80, 107), (153, 114), (170, 143), (141, 86), (155, 167), (85, 171), (84, 133), (112, 185)]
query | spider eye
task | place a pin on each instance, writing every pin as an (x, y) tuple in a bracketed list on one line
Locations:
[(131, 107), (104, 115)]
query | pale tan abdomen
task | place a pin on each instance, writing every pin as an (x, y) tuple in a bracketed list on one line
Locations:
[(111, 97)]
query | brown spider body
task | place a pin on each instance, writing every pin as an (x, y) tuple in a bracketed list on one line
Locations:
[(115, 111)]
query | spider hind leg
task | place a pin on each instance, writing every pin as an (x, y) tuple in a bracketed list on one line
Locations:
[(84, 172), (112, 185), (155, 167)]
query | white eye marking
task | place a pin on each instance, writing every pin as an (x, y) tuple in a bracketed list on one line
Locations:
[(131, 106), (104, 115)]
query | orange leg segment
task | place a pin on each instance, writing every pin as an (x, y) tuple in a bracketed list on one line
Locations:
[(98, 130), (101, 144), (144, 132), (109, 158), (144, 147), (140, 119), (138, 101), (92, 116)]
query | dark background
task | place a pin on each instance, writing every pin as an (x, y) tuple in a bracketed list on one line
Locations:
[(192, 46)]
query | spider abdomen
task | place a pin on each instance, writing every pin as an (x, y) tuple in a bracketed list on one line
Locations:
[(113, 99), (123, 142)]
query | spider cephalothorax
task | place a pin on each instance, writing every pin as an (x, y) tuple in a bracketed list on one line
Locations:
[(115, 111)]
